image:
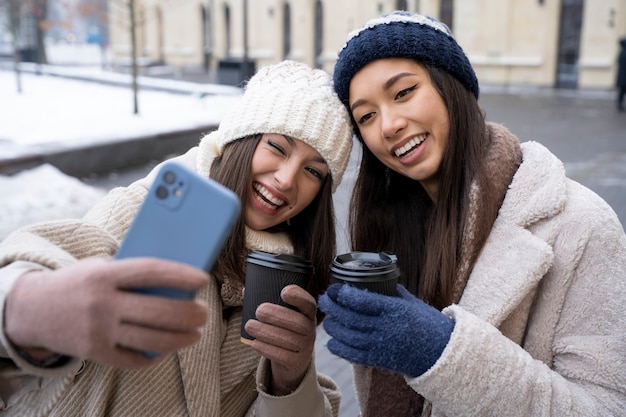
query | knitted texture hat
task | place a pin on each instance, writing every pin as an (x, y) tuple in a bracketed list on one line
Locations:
[(292, 99), (402, 35)]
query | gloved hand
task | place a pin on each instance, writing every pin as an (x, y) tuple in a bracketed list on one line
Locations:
[(86, 310), (402, 333), (286, 337)]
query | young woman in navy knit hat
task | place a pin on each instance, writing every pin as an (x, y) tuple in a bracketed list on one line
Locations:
[(513, 286)]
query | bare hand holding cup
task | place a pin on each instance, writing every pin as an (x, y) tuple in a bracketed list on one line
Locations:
[(279, 316)]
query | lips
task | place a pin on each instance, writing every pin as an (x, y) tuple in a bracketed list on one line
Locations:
[(410, 146), (265, 197)]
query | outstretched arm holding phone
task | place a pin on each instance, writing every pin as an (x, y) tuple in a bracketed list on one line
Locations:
[(76, 330), (66, 296), (86, 310)]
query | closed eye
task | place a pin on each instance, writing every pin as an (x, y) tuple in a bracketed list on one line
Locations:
[(276, 146), (317, 174)]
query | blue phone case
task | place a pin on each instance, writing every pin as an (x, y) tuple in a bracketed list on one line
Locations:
[(186, 218)]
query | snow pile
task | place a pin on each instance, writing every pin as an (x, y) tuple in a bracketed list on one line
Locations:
[(40, 194)]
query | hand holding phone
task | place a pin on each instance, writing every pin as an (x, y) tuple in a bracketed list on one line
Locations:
[(186, 218)]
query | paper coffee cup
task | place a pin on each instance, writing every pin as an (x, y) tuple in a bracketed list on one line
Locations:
[(266, 275), (377, 272)]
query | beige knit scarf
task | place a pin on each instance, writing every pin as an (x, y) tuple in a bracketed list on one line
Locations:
[(387, 394)]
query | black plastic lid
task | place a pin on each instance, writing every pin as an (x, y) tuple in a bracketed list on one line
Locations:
[(282, 261), (355, 266)]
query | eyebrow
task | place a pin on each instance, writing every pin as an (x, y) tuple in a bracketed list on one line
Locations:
[(386, 86), (294, 144), (290, 140)]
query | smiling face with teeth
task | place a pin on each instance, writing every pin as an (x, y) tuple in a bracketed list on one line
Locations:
[(401, 118), (286, 175)]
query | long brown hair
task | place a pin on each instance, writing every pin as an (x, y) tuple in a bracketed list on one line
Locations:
[(389, 211), (312, 231)]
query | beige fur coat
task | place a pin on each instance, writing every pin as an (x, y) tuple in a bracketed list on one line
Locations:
[(541, 326)]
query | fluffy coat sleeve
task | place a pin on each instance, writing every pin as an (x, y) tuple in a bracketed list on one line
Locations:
[(572, 359)]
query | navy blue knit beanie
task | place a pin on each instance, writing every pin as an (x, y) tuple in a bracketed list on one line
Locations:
[(402, 35)]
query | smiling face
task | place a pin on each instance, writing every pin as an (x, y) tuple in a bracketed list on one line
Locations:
[(402, 118), (285, 176)]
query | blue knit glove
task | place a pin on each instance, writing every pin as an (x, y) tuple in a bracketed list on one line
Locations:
[(402, 334)]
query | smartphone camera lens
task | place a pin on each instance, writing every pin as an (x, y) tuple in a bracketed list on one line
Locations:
[(161, 192), (169, 177)]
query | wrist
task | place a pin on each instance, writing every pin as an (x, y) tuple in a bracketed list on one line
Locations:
[(278, 389), (280, 386), (20, 311)]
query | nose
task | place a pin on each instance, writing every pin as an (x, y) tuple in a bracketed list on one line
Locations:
[(285, 175), (391, 123)]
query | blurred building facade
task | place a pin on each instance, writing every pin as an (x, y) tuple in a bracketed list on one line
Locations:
[(32, 27), (543, 43)]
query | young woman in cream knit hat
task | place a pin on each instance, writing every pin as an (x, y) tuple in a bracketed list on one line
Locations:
[(513, 276), (72, 335)]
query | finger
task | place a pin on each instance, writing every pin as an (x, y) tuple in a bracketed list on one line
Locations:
[(143, 339), (276, 336), (340, 298), (300, 299), (285, 357), (152, 272), (345, 316), (333, 291), (404, 293), (362, 301), (281, 346), (349, 336), (329, 305), (286, 318), (348, 353), (161, 312)]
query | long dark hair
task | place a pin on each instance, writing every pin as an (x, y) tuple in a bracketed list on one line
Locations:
[(312, 231), (389, 211)]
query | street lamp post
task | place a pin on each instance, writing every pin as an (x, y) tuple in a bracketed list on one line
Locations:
[(133, 42), (244, 64)]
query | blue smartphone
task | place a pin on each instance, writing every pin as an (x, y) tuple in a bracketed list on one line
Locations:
[(186, 218)]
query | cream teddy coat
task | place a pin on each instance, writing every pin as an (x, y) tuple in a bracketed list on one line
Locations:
[(541, 326), (219, 376)]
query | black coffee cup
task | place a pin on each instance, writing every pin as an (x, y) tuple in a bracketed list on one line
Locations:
[(377, 272), (266, 275)]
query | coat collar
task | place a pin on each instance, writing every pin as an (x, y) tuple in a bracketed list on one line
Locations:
[(514, 259)]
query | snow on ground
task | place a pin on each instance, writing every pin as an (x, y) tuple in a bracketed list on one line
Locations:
[(55, 112)]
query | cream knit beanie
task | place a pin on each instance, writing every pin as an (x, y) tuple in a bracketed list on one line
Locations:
[(292, 99)]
